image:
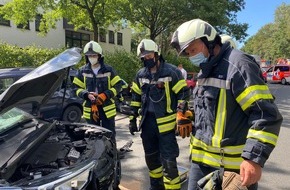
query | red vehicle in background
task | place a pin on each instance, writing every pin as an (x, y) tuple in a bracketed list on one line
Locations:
[(278, 74)]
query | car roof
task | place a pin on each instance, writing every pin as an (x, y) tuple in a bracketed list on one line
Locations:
[(13, 72)]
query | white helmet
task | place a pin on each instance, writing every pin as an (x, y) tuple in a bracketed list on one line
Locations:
[(146, 46), (93, 48), (192, 30), (226, 38)]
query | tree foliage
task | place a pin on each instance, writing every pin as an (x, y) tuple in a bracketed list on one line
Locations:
[(272, 40), (164, 16)]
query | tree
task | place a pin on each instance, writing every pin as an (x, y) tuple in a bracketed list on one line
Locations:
[(86, 14), (163, 16), (272, 40)]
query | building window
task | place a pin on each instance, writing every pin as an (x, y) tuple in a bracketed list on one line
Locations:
[(102, 35), (3, 21), (22, 26), (76, 39), (37, 22), (119, 38), (111, 37)]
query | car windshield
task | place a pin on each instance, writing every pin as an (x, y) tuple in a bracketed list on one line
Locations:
[(12, 117)]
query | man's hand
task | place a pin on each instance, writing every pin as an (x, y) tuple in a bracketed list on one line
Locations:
[(133, 126), (184, 125), (250, 172), (101, 98)]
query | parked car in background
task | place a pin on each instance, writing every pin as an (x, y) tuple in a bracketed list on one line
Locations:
[(39, 154), (278, 74), (60, 107)]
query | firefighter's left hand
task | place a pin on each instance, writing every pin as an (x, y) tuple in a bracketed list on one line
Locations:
[(250, 172), (101, 98)]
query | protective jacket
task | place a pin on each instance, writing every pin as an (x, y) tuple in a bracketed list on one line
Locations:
[(162, 91), (106, 81), (236, 117)]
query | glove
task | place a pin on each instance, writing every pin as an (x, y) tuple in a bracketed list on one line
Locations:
[(95, 112), (133, 126), (101, 98), (184, 125)]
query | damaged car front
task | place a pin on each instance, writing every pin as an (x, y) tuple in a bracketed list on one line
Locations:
[(37, 154)]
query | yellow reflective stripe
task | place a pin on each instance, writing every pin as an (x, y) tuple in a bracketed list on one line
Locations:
[(111, 113), (135, 88), (166, 127), (263, 136), (179, 85), (136, 104), (180, 101), (194, 142), (109, 82), (87, 109), (115, 80), (219, 126), (79, 91), (121, 98), (157, 173), (79, 82), (114, 91), (168, 99), (215, 159), (109, 107), (252, 94), (172, 184), (214, 82), (86, 115), (171, 117)]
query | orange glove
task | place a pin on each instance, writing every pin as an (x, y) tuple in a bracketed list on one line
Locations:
[(95, 112), (184, 125), (101, 98)]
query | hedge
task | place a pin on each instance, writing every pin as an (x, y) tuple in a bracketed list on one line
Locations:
[(125, 63)]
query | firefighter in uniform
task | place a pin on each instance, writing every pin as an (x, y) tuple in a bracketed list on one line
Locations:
[(98, 83), (157, 90), (236, 120)]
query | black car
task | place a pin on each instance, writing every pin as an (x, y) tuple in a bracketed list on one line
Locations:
[(38, 154), (59, 107)]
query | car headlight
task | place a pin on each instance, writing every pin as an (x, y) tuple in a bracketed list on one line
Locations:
[(76, 179)]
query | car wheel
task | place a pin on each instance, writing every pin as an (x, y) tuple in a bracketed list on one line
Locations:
[(283, 81), (117, 175), (72, 114)]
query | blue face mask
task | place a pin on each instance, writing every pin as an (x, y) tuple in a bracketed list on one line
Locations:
[(198, 59)]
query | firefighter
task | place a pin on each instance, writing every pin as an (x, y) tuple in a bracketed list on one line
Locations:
[(156, 91), (98, 83), (119, 100), (226, 38), (236, 120)]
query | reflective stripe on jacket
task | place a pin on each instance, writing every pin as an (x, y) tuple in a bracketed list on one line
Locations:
[(106, 81), (236, 116), (163, 91)]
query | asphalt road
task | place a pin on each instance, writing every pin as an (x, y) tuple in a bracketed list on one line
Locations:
[(276, 173)]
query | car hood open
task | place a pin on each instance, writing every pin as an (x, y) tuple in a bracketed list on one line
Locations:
[(38, 85)]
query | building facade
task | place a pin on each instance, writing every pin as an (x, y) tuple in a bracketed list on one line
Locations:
[(62, 36)]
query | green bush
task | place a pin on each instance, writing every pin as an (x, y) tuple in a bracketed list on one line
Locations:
[(125, 63), (30, 56)]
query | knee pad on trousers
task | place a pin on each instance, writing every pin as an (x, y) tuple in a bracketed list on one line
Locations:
[(170, 168), (153, 160)]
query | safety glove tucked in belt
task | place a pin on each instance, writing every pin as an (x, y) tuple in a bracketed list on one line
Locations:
[(184, 124), (101, 98), (95, 112), (133, 125)]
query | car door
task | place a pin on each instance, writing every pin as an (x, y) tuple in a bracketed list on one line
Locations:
[(270, 74)]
